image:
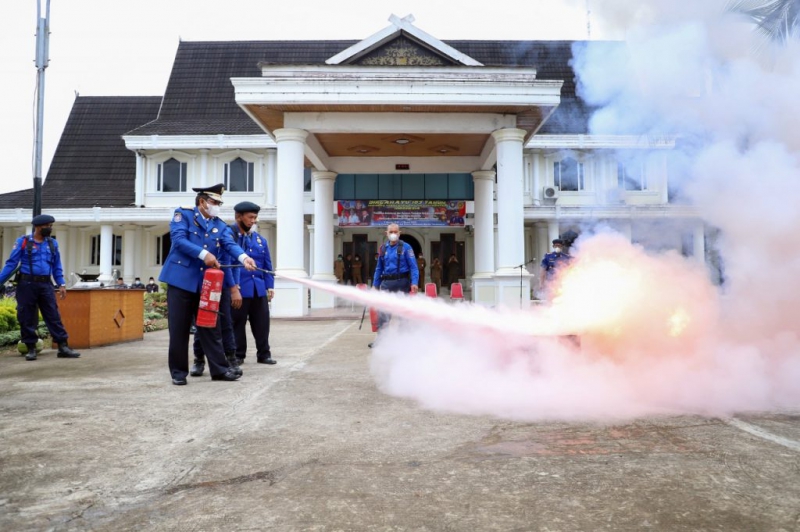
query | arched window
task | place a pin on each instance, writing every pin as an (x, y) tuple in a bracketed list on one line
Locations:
[(172, 176), (568, 175), (239, 175)]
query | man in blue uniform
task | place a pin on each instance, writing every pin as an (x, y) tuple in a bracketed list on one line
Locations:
[(198, 236), (231, 297), (257, 288), (39, 262), (551, 264), (397, 269)]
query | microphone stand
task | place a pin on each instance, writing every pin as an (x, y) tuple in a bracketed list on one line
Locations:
[(521, 269)]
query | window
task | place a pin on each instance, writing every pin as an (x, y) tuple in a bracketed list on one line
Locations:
[(568, 175), (116, 256), (238, 175), (163, 244), (632, 176), (95, 251), (172, 176)]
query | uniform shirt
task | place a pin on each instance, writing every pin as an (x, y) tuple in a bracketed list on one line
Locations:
[(553, 261), (256, 283), (396, 260), (43, 261), (193, 236)]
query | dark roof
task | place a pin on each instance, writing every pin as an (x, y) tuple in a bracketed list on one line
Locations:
[(200, 98), (91, 166)]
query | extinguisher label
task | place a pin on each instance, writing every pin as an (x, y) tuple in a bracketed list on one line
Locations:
[(215, 296)]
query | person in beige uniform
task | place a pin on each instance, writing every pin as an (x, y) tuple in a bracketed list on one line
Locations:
[(421, 264)]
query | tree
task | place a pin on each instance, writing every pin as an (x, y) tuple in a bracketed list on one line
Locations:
[(777, 20)]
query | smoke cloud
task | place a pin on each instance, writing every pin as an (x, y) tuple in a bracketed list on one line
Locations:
[(634, 332)]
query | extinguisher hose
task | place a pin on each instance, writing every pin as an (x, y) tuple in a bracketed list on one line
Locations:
[(270, 272)]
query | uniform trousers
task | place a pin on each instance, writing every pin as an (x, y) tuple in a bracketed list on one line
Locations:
[(394, 285), (228, 340), (181, 310), (256, 309), (33, 297)]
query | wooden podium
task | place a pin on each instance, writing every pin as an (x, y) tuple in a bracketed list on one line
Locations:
[(95, 317)]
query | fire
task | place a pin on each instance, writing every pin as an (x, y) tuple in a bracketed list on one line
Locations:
[(627, 303), (678, 322)]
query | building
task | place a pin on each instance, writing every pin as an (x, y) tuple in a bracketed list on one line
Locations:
[(481, 147)]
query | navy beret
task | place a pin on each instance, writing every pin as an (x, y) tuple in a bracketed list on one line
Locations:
[(246, 206), (43, 219), (558, 241)]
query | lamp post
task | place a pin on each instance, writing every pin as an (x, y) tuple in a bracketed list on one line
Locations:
[(42, 60)]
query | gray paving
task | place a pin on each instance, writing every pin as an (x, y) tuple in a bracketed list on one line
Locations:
[(107, 443)]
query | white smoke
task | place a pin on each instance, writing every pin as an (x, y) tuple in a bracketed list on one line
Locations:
[(692, 70)]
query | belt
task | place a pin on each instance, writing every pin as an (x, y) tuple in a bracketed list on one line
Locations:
[(394, 277), (35, 278)]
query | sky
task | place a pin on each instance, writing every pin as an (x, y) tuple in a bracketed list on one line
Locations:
[(105, 48)]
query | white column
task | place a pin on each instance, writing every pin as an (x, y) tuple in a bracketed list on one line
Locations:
[(323, 225), (322, 182), (541, 242), (552, 232), (626, 228), (139, 187), (271, 170), (291, 144), (106, 252), (128, 255), (699, 241), (65, 249), (204, 169), (484, 223), (510, 213), (537, 179), (291, 297), (9, 237)]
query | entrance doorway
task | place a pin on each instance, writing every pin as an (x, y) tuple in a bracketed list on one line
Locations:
[(413, 242)]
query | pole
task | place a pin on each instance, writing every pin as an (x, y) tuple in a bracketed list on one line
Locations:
[(42, 61)]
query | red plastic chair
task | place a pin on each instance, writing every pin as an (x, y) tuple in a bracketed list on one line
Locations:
[(456, 292), (430, 290)]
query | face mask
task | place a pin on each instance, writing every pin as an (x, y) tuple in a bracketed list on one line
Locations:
[(393, 237), (213, 210), (244, 228), (47, 231), (557, 249)]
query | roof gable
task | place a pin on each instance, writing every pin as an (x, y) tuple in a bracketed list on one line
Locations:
[(420, 46)]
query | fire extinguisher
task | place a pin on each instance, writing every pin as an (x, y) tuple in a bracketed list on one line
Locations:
[(210, 296)]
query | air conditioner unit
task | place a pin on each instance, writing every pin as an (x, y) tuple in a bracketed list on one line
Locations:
[(550, 192)]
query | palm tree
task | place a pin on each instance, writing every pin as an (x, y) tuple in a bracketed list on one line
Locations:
[(777, 20)]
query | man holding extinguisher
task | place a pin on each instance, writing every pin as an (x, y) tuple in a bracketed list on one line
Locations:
[(198, 236)]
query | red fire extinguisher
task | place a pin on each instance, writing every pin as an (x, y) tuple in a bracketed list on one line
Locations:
[(210, 295)]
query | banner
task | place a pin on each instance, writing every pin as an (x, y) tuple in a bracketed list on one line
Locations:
[(363, 213)]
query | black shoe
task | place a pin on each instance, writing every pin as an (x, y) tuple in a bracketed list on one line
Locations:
[(192, 329), (31, 354), (179, 382), (64, 351), (267, 360), (234, 364), (227, 376), (370, 345), (198, 367), (239, 361)]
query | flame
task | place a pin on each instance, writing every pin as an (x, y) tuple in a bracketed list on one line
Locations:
[(678, 322)]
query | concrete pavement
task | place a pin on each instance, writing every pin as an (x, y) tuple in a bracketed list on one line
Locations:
[(107, 443)]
